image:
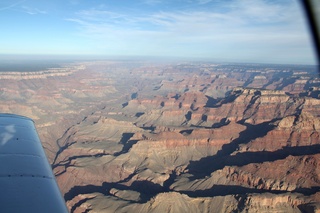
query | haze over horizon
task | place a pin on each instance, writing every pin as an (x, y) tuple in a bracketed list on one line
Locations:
[(259, 31)]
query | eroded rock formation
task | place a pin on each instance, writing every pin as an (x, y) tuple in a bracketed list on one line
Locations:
[(126, 136)]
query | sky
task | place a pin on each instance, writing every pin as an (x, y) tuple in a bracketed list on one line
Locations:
[(258, 31)]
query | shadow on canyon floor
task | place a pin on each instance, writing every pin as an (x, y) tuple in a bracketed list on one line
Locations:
[(205, 166)]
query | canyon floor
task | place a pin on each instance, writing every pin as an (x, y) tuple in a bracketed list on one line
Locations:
[(137, 136)]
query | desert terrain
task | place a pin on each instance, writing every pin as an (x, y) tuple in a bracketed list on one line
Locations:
[(140, 136)]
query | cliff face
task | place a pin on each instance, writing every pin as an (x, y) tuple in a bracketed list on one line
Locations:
[(124, 136), (241, 105), (53, 72), (291, 131)]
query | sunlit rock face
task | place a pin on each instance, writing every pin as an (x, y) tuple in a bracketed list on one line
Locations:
[(130, 136)]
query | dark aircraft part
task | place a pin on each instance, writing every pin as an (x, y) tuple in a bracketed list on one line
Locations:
[(312, 13)]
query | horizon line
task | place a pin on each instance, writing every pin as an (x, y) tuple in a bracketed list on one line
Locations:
[(99, 57)]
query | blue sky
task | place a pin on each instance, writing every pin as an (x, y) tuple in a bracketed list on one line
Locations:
[(266, 31)]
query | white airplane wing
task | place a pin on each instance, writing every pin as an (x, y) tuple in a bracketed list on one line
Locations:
[(27, 183)]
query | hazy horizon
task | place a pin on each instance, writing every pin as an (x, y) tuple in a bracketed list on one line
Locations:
[(58, 59)]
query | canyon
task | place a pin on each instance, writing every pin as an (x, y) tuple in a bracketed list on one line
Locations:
[(176, 137)]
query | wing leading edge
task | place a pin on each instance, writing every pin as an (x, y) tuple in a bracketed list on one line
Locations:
[(26, 180)]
